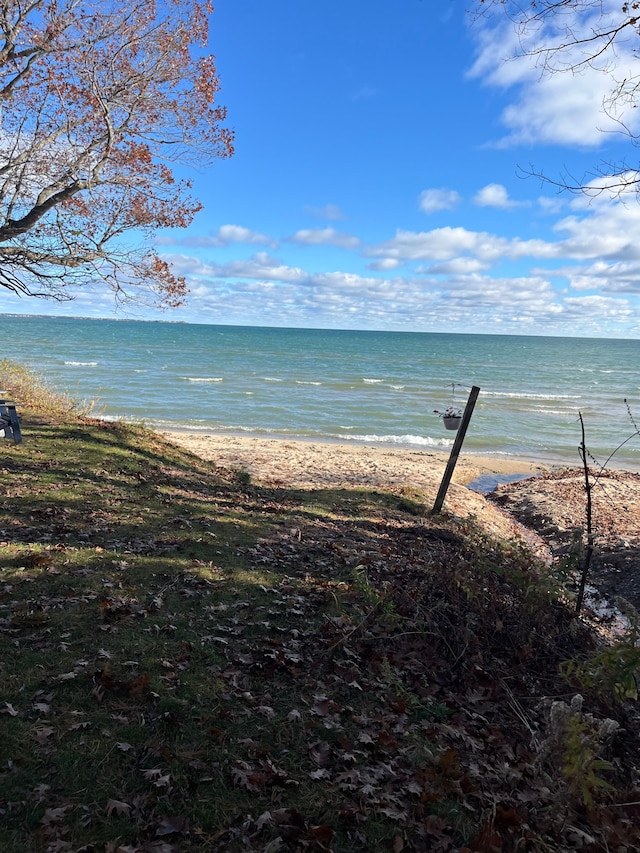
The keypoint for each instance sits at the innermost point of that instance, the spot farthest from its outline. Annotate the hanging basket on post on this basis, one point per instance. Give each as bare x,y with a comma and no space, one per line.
456,448
452,422
452,417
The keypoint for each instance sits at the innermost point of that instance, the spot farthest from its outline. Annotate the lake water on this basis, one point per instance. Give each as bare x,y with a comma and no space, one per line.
372,387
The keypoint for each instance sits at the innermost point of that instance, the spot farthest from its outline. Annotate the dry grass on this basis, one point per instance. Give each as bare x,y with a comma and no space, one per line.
31,392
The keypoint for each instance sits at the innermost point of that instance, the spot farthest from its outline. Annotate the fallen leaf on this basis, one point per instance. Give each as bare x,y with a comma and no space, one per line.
152,773
169,825
319,774
67,676
320,752
43,733
323,833
54,815
118,807
40,792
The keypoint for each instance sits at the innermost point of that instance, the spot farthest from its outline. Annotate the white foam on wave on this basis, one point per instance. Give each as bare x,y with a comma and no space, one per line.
202,378
568,413
372,381
81,363
413,440
271,379
306,382
524,396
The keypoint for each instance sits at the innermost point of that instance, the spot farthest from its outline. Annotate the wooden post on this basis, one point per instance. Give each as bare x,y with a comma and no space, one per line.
455,450
586,561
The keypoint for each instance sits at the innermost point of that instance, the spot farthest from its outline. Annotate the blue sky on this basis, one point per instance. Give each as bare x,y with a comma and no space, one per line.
379,181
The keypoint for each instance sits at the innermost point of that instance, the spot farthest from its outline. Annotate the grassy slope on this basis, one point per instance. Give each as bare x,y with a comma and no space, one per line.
189,661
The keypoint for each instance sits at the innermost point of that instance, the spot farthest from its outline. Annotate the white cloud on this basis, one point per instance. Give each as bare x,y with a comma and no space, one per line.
624,284
597,306
433,200
457,266
260,266
325,237
482,291
605,230
560,109
441,244
385,264
607,188
445,244
566,106
551,206
605,277
226,235
494,195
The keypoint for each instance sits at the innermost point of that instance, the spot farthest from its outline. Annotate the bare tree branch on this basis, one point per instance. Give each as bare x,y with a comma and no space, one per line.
569,36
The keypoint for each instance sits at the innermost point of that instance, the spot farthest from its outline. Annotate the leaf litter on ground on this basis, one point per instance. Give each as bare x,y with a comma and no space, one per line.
194,661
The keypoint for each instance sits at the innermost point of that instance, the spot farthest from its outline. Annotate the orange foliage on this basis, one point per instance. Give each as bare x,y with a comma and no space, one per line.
98,105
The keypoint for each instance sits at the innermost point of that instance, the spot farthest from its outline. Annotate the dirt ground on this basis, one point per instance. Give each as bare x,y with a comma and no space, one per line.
554,505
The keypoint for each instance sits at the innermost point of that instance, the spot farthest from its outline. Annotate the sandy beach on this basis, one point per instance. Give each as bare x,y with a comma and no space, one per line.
289,463
321,465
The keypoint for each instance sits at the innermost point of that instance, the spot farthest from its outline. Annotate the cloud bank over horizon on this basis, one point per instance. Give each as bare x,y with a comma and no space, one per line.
453,279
